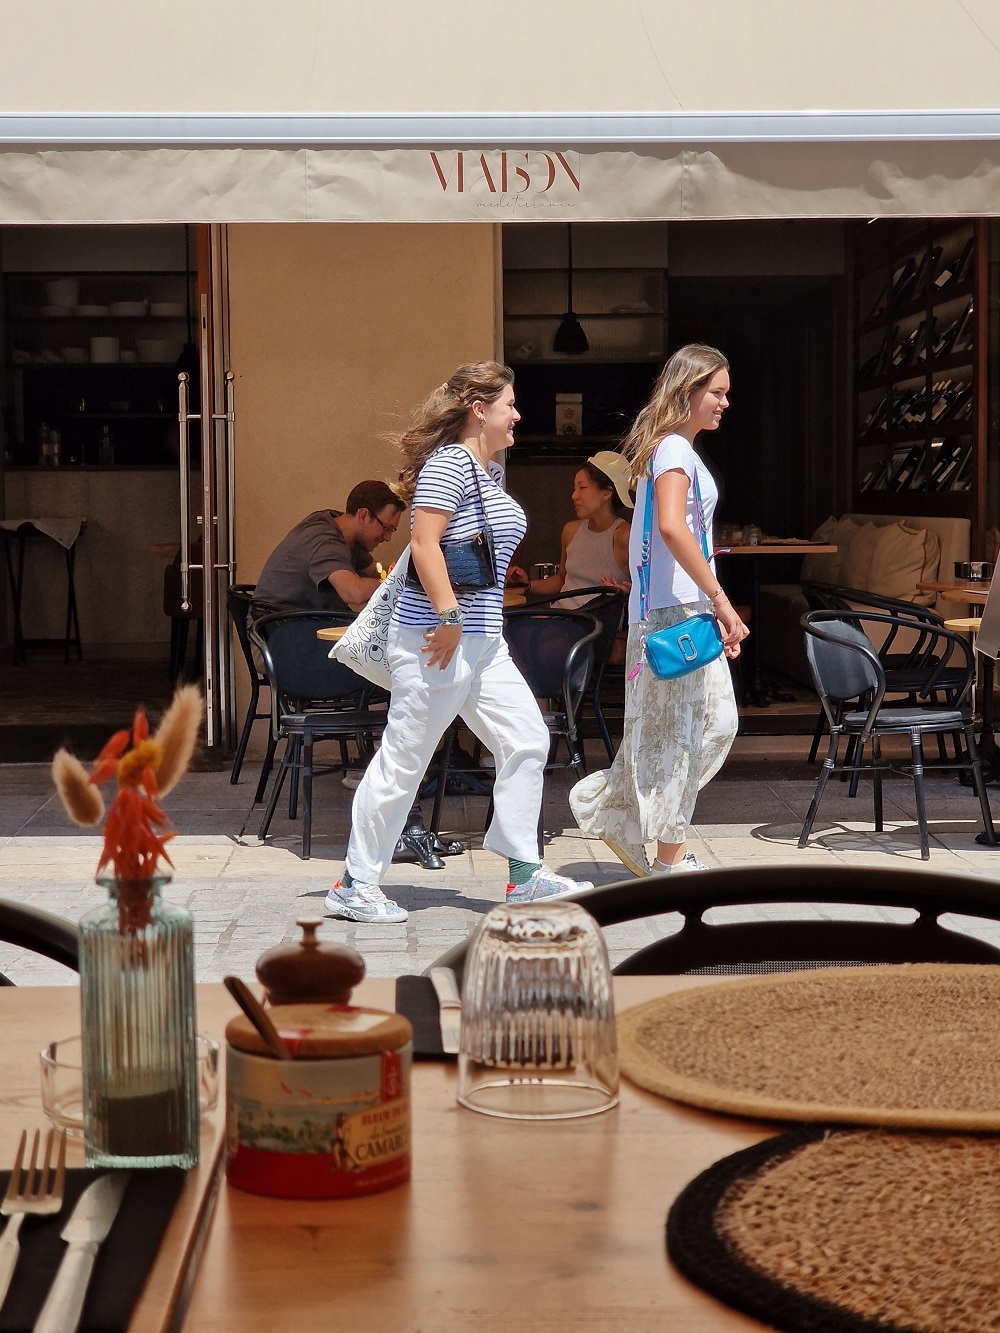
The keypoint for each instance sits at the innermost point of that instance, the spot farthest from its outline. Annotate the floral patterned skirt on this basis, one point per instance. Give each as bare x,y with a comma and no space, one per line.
676,738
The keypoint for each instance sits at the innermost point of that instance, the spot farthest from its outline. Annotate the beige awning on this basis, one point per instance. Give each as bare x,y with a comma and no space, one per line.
238,110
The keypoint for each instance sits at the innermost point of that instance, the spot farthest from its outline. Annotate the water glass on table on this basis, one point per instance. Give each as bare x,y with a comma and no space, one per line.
538,1037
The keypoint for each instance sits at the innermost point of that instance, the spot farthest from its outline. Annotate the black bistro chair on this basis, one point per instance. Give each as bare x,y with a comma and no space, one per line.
312,699
811,938
851,682
239,600
608,605
40,932
554,651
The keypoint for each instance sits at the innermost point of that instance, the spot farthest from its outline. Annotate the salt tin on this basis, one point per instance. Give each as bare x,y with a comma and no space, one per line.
332,1123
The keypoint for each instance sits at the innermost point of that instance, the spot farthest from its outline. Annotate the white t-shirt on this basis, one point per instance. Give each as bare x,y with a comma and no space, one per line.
669,584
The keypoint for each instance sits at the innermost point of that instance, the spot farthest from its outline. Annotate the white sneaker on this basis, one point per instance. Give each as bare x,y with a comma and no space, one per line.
363,902
544,883
352,778
632,858
689,862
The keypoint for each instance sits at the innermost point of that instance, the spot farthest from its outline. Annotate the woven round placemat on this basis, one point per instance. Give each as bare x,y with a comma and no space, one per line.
912,1045
851,1231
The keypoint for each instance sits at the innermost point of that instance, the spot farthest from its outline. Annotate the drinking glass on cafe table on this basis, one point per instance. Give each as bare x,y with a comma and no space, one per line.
538,1035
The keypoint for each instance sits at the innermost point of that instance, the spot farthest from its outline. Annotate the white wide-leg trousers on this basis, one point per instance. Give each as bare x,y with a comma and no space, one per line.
483,686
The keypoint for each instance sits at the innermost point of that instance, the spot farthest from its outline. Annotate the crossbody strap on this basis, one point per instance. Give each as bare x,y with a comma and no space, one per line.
647,537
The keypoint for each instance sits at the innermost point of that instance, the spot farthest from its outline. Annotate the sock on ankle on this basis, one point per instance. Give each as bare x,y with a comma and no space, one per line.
522,871
660,868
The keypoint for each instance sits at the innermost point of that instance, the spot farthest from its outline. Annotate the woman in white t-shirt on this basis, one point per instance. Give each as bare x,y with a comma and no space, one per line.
677,732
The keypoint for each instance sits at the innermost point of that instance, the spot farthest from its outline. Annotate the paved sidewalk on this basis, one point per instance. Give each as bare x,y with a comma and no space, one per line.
245,896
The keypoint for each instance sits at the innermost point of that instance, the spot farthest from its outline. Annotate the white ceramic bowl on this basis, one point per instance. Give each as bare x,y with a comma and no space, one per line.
155,349
91,310
167,309
129,308
104,351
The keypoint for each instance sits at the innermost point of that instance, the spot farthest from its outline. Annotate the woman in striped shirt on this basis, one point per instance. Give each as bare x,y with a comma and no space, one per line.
447,653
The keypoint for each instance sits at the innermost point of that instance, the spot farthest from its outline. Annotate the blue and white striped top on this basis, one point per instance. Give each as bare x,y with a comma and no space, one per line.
447,482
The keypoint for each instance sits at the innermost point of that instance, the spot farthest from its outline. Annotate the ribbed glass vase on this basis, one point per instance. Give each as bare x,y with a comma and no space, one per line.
140,1088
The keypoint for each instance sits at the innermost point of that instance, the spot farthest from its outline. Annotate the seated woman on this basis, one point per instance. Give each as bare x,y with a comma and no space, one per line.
595,544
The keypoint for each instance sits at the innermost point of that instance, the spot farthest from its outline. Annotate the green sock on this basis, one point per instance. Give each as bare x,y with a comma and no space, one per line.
522,871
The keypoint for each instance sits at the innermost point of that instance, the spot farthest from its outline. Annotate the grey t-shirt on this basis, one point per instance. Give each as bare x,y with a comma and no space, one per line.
297,570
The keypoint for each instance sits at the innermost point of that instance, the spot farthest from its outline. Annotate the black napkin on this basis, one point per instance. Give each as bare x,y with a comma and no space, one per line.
123,1261
417,1000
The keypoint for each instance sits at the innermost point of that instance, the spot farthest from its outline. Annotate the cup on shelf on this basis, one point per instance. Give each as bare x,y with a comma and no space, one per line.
538,1037
104,351
62,1080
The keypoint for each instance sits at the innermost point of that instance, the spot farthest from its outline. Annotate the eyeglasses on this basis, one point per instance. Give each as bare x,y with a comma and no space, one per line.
387,529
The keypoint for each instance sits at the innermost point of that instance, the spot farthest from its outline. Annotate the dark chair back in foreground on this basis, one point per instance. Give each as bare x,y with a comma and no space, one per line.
812,939
40,932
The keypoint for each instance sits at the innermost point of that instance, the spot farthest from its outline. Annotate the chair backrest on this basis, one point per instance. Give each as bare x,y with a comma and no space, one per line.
842,658
553,650
41,932
299,667
741,946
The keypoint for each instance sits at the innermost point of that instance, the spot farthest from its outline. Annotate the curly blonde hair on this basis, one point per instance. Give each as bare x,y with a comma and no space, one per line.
441,417
669,405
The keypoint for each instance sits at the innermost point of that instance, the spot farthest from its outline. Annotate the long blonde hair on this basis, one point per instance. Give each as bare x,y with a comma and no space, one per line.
669,405
441,417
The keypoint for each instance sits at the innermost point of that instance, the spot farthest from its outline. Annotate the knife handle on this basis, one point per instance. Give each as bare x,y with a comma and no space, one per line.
64,1303
10,1248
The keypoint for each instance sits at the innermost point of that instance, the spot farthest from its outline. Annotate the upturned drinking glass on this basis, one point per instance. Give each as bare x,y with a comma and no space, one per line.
140,1082
538,1037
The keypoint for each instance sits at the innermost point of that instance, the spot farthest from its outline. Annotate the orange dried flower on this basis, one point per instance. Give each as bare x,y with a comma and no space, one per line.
136,830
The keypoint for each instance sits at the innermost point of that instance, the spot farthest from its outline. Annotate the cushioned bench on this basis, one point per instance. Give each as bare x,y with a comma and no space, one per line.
879,553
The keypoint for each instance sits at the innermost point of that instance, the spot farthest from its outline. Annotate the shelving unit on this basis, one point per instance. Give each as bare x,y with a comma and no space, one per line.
623,313
89,351
919,386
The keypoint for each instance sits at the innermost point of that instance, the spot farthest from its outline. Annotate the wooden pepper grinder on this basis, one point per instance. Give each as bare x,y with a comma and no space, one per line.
310,970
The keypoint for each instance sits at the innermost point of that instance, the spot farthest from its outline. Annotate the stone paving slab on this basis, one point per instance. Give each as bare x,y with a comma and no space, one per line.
245,895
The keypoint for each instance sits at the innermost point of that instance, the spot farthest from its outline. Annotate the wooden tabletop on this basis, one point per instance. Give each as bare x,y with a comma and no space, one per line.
965,624
955,591
505,1225
791,546
332,633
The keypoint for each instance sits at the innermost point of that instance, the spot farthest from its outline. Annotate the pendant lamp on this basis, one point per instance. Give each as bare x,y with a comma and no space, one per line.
570,339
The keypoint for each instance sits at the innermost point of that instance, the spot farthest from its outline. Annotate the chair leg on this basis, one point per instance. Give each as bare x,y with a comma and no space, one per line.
602,727
447,741
877,777
917,761
824,776
859,754
307,789
265,769
272,803
293,786
989,834
251,717
817,737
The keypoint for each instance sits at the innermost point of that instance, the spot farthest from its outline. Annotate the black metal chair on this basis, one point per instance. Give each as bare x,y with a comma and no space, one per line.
554,651
907,672
312,699
41,932
609,606
239,600
851,682
811,940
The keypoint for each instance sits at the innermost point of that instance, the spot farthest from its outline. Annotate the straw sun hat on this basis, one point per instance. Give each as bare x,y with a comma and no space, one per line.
615,468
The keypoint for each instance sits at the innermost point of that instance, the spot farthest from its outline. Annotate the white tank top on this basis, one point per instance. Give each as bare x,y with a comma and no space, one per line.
589,556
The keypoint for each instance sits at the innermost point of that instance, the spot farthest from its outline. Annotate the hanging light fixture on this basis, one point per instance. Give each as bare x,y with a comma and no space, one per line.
570,339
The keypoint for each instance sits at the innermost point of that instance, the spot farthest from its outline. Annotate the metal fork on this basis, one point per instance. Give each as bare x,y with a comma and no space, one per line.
40,1195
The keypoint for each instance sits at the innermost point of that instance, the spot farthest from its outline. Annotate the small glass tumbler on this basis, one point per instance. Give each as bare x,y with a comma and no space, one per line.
538,1035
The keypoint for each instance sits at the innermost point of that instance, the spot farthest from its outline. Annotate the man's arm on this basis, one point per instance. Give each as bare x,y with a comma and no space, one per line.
352,588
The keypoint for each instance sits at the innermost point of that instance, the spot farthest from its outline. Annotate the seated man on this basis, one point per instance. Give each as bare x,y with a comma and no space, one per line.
325,563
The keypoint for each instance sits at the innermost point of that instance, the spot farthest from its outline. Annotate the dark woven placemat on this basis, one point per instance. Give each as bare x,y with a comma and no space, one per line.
912,1046
850,1231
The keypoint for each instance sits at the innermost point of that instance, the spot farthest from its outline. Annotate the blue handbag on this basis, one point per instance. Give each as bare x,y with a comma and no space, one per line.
679,649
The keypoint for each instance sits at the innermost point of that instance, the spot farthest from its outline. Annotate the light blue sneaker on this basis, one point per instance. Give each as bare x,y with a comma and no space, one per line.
544,883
